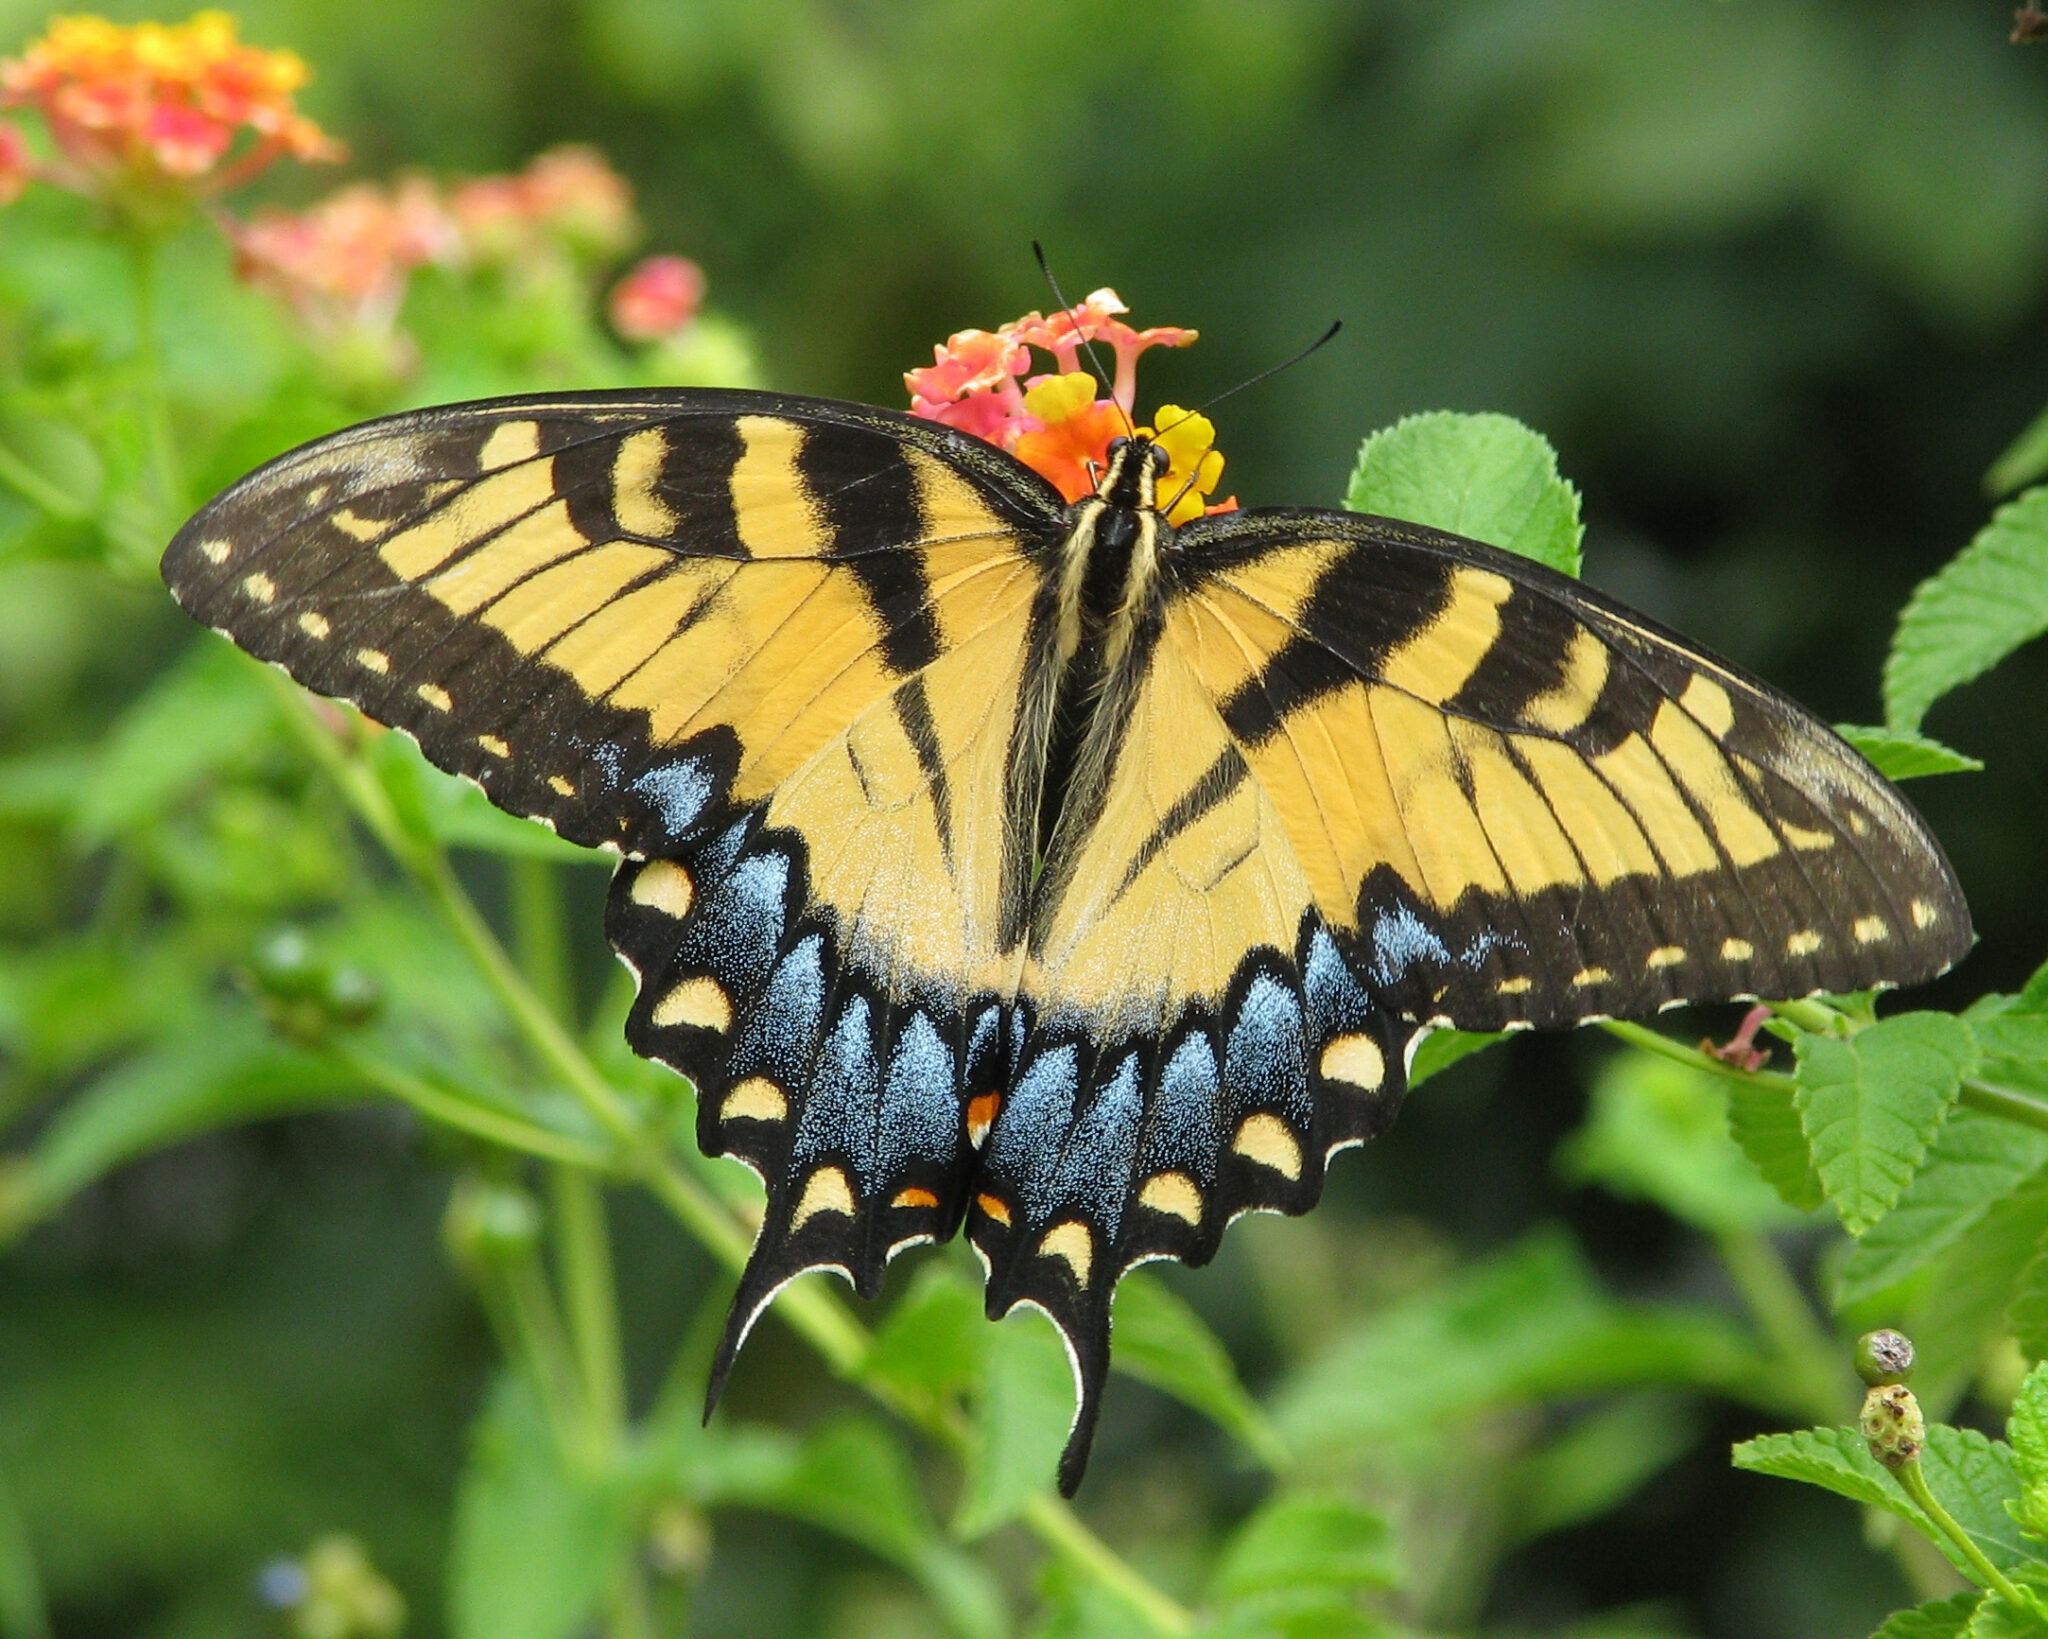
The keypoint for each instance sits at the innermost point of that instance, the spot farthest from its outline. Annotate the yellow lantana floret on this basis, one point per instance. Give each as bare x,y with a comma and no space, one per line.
1189,440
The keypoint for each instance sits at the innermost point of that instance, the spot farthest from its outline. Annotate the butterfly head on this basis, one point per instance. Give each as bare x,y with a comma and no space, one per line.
1131,477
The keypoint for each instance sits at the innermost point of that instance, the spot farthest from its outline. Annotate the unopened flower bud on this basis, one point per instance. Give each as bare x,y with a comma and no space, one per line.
489,1224
1884,1357
1892,1425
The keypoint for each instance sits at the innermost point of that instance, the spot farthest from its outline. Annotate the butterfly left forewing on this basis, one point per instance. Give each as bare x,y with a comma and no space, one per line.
769,648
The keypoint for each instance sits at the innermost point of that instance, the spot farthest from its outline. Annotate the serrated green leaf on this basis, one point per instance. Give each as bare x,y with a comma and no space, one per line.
2022,461
1658,1131
1937,1619
1022,1410
1871,1103
1974,1162
1975,1479
1441,1049
1163,1342
2026,1312
1764,1122
1487,477
1987,601
1997,1617
1299,1542
534,1544
1970,1476
1898,754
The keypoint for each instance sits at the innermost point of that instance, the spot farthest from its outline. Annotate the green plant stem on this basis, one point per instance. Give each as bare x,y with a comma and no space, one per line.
23,1611
812,1313
1806,1354
1650,1041
1995,1100
478,1120
1914,1483
583,1251
1816,1018
158,438
538,935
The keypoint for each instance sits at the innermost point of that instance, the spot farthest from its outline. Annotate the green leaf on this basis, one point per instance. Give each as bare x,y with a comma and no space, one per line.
534,1545
1872,1102
2023,460
1658,1132
1835,1459
1970,1476
1764,1122
932,1340
2027,1311
1937,1619
1899,754
222,1069
1524,1324
1487,477
1302,1542
1961,1311
1988,600
1163,1342
1022,1412
1976,1480
2026,1430
1997,1617
1975,1161
1440,1049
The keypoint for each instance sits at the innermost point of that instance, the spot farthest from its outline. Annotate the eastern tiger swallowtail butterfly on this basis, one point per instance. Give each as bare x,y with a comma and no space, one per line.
1046,867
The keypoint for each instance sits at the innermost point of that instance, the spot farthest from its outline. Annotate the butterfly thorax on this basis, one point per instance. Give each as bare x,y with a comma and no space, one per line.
1107,593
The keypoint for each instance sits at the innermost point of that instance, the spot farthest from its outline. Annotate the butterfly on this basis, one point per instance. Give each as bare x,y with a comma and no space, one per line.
1044,868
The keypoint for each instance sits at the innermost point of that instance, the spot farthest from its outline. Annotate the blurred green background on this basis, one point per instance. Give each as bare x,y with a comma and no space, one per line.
1771,277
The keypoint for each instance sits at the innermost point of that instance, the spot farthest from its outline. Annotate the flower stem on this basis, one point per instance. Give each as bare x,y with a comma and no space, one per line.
1914,1483
509,1132
158,439
1638,1035
21,477
1061,1529
1995,1100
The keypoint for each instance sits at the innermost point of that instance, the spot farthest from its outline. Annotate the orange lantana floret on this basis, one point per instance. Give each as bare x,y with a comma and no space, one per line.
1071,442
177,107
1094,319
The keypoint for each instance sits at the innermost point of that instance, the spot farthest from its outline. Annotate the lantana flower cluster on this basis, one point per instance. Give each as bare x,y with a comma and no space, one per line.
155,110
1054,422
152,118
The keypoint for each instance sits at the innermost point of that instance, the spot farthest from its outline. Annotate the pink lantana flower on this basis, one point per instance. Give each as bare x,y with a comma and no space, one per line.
1054,423
15,167
567,198
657,298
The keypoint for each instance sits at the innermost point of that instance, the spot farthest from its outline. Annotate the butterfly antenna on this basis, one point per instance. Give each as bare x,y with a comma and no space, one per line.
1326,337
1087,342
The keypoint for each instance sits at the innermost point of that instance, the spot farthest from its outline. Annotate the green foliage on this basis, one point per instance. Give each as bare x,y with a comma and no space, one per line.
1991,599
1484,476
1872,1102
1899,754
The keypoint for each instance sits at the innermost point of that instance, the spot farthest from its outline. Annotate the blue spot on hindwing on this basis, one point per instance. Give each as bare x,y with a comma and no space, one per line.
839,1116
740,928
1400,940
1095,1170
1026,1142
783,1029
920,1100
1265,1065
1185,1124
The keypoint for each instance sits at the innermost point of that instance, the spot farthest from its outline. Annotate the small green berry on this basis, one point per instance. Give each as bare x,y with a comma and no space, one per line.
1884,1357
287,968
1893,1425
353,997
489,1224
